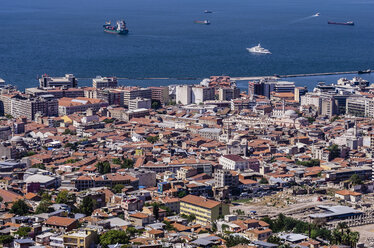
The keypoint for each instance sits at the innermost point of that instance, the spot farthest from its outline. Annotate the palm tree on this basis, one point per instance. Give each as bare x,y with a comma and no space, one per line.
354,238
336,236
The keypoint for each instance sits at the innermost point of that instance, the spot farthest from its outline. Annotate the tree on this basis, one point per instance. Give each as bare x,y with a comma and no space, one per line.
23,231
152,139
182,194
334,151
156,104
168,225
6,239
63,197
114,237
20,208
156,211
263,181
311,119
103,167
44,207
39,166
116,161
118,188
107,120
127,163
1,199
87,206
355,180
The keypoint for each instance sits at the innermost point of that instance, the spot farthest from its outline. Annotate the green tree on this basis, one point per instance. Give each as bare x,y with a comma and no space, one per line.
23,231
263,181
44,207
156,104
103,167
116,161
6,239
63,197
355,180
107,120
156,212
1,199
87,206
168,225
114,237
118,188
20,208
334,151
182,194
127,163
152,139
39,166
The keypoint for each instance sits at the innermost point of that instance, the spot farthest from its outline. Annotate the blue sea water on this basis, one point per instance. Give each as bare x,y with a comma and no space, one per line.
58,37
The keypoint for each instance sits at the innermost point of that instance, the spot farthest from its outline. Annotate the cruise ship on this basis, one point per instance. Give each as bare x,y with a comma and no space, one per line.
258,49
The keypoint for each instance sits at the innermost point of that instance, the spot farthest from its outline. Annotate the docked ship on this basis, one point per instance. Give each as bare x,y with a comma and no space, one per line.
119,28
364,71
206,22
350,23
258,49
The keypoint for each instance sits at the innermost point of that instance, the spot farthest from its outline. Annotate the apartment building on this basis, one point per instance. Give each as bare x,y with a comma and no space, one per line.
104,82
205,210
69,81
160,94
67,106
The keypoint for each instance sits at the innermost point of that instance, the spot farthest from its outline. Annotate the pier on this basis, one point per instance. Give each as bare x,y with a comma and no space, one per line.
252,78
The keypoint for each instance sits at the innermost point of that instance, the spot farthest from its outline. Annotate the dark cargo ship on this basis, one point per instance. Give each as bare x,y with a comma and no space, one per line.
350,23
119,28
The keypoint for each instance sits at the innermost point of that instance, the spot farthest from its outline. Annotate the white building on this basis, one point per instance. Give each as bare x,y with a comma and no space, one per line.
187,94
104,82
233,162
139,103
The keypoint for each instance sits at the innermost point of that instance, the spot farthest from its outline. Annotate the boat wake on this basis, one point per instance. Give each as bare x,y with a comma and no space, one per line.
305,18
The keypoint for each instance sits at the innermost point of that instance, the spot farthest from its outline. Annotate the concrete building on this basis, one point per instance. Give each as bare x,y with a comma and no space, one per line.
80,239
205,210
69,106
201,94
160,94
183,94
226,94
233,162
58,92
187,94
21,106
68,81
104,82
140,103
224,178
130,93
360,107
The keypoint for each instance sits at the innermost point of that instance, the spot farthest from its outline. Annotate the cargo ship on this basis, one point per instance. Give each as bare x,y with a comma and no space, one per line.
350,23
119,28
206,22
208,11
364,71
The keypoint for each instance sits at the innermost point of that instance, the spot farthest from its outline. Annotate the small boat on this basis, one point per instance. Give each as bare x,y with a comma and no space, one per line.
206,22
258,49
208,11
316,14
364,71
350,23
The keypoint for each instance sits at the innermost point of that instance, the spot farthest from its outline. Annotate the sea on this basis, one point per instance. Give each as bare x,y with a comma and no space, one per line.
58,37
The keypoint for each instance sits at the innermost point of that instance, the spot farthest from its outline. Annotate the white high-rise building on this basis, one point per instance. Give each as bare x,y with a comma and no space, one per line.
183,94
